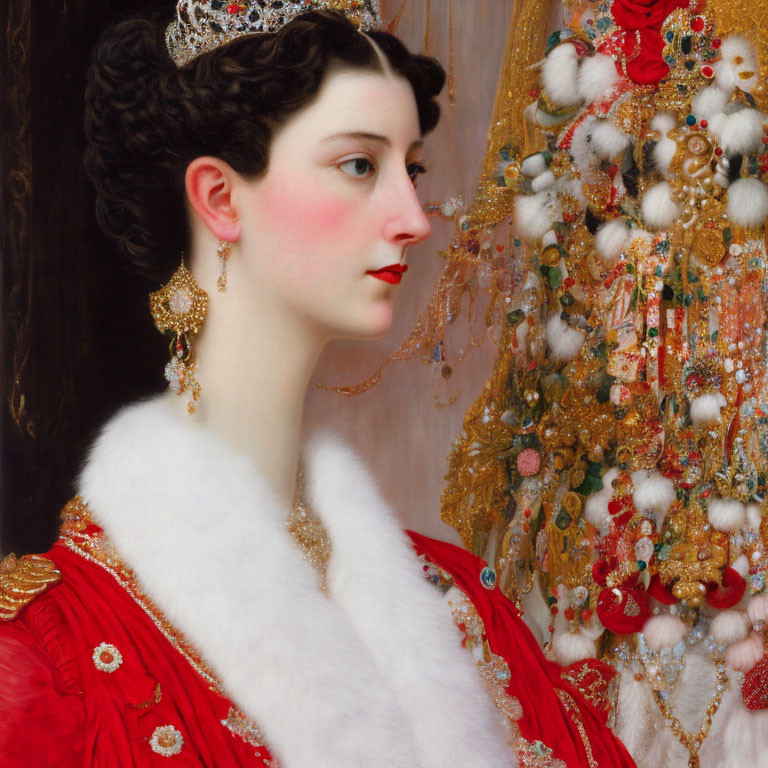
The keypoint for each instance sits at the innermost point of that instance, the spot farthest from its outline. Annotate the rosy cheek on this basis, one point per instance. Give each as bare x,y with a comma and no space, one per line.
306,215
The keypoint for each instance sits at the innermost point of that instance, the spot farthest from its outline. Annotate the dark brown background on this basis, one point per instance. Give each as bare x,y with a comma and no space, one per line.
76,339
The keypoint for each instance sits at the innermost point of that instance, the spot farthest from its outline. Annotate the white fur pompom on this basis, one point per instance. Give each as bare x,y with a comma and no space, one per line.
659,210
726,514
744,655
570,647
597,75
564,341
532,219
738,132
757,609
596,508
663,631
741,564
559,75
709,101
665,149
534,165
737,59
705,409
543,181
610,239
729,627
754,516
653,493
608,142
748,203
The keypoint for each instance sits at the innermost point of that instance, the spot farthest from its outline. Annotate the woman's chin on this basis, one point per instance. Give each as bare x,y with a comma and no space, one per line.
371,324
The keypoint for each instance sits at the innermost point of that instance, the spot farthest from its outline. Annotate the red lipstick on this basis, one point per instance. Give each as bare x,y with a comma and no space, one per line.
392,274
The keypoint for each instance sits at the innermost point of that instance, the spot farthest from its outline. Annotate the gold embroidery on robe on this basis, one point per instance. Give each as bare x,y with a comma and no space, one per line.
22,580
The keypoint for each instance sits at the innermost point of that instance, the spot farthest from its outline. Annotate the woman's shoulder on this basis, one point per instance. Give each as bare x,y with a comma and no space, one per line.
40,706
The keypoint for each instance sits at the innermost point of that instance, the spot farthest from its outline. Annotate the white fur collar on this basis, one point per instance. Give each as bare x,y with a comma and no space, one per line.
374,676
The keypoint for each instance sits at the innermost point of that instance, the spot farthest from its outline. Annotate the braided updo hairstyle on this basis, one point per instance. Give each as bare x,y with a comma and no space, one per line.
147,119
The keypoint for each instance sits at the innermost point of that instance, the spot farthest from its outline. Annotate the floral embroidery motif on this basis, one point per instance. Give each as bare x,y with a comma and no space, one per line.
596,682
166,741
107,658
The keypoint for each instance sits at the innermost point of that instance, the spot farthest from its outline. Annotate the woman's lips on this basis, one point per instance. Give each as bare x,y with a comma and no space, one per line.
392,274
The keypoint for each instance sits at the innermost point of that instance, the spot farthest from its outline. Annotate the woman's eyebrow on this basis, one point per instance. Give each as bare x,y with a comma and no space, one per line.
418,144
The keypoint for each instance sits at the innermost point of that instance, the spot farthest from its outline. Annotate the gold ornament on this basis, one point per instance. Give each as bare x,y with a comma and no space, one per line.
22,579
179,309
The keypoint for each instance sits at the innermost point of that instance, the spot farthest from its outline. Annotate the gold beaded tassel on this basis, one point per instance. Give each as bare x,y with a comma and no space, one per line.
224,250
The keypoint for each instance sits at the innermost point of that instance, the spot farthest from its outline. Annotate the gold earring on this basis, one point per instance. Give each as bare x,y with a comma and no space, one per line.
178,309
224,250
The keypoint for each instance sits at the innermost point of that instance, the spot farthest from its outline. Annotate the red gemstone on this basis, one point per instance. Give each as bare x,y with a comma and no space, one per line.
554,609
718,151
703,123
707,71
569,614
716,42
586,614
234,8
697,25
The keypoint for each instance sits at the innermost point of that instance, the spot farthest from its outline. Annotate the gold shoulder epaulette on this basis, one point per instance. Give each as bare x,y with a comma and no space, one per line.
22,579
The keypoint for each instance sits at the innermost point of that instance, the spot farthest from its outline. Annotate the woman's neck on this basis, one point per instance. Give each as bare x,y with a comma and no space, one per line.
254,366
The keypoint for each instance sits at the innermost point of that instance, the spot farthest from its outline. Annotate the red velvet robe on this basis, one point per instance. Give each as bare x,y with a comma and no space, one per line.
92,675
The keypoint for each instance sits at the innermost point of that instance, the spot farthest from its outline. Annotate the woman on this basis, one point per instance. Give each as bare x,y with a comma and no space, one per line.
197,606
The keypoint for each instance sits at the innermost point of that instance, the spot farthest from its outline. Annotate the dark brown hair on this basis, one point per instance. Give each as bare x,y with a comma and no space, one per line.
146,119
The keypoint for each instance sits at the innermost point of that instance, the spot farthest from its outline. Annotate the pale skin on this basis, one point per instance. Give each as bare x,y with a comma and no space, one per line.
304,235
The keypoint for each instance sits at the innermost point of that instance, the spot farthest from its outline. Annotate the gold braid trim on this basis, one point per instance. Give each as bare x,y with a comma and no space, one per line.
22,580
572,708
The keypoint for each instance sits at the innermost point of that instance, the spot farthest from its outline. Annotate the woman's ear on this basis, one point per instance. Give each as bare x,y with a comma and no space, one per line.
209,183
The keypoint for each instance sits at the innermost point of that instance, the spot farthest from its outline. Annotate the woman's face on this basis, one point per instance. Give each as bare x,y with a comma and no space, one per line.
338,201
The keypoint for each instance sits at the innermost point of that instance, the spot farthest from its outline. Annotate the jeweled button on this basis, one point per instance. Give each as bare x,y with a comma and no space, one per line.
488,577
166,741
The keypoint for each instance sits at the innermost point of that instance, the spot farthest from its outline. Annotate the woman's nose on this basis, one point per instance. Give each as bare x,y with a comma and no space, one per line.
408,223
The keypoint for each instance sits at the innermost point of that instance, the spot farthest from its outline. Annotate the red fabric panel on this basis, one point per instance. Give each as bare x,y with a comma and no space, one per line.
41,722
534,678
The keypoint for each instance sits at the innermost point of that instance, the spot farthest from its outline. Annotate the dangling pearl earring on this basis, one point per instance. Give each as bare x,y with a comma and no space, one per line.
224,250
179,307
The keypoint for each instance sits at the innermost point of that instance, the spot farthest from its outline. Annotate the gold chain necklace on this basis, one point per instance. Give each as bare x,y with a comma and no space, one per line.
693,742
309,533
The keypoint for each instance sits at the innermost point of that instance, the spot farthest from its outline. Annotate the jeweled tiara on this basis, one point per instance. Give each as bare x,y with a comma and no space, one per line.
202,25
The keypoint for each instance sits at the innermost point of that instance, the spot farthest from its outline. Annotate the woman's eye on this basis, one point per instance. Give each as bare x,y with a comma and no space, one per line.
357,167
414,169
